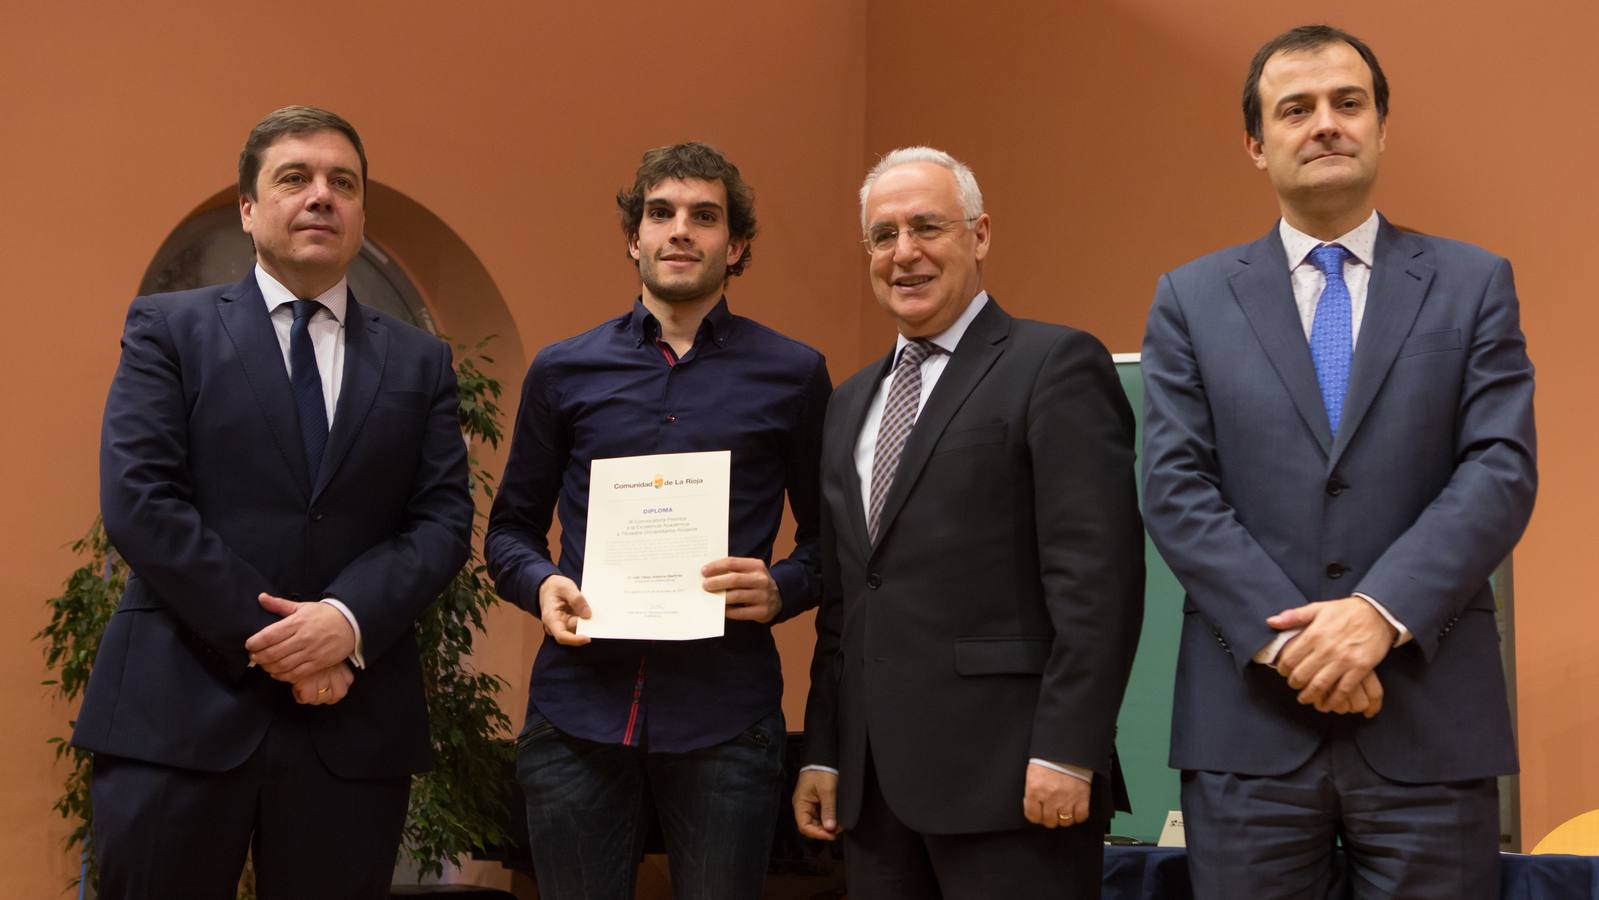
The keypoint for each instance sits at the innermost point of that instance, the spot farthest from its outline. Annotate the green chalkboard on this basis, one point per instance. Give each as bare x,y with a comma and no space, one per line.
1143,730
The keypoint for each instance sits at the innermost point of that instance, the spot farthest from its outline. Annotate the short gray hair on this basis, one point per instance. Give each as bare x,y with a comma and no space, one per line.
965,182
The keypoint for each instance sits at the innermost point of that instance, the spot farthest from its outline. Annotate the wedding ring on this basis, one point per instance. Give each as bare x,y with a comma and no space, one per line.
1065,818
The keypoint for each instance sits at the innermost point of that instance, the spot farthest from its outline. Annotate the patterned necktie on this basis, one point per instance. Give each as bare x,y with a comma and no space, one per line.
1331,339
899,414
307,384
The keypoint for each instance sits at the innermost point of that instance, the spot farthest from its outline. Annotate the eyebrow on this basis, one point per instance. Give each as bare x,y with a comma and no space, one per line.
912,219
662,201
305,166
1348,90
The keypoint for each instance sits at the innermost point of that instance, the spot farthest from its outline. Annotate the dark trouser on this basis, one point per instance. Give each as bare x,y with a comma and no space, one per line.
1272,838
586,801
885,860
162,833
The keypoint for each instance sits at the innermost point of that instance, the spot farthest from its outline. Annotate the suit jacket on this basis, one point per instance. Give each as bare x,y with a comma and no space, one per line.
995,618
1257,507
205,492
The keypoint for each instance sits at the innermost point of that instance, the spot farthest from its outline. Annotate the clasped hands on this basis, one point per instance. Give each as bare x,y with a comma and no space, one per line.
1332,661
752,596
306,647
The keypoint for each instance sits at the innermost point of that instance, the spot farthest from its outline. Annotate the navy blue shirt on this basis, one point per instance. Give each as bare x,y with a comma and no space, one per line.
615,391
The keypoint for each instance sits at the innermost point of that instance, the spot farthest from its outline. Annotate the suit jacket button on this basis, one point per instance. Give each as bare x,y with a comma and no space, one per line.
1335,487
1336,570
874,581
317,516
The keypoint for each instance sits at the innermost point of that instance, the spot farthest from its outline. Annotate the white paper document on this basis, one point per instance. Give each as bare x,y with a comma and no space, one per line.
653,522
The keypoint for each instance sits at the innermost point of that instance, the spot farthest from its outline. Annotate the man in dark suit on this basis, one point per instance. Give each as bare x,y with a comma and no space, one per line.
283,471
1338,452
982,575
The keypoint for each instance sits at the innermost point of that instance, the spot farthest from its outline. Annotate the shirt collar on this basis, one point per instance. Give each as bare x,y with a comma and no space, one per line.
948,339
1360,241
642,324
335,298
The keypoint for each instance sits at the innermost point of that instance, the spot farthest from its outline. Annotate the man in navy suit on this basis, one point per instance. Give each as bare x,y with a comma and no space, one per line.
284,473
1339,450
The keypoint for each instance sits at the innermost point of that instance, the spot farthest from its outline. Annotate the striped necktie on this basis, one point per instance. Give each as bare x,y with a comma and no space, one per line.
899,415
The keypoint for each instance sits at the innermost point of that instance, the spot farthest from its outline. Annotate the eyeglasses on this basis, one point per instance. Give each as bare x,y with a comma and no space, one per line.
882,239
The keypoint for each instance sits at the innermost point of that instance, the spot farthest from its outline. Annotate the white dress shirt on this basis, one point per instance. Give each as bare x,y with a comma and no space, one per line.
866,444
1308,281
326,329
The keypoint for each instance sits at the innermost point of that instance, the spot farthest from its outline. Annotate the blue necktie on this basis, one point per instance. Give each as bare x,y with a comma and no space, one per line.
307,384
1331,339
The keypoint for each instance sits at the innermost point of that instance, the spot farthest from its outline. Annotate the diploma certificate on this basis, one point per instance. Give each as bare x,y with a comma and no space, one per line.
653,522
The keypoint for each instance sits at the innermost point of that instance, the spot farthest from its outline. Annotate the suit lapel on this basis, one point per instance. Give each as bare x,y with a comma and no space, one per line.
1262,288
980,346
248,325
366,344
1400,276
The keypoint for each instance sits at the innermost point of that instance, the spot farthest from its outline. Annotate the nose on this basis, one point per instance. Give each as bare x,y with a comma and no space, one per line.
680,230
1325,123
320,195
906,247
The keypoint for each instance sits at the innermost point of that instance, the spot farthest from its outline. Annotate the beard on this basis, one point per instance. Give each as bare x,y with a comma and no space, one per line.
689,286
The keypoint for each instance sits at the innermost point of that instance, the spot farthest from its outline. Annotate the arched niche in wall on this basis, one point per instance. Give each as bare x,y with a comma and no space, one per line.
412,266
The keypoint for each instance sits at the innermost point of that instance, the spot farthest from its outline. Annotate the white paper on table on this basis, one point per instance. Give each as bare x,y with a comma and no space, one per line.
654,521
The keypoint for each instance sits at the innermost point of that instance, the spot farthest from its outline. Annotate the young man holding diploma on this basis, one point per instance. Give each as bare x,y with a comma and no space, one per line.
696,724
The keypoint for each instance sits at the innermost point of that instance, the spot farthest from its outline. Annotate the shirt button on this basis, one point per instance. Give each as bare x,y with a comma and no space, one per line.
1336,570
874,581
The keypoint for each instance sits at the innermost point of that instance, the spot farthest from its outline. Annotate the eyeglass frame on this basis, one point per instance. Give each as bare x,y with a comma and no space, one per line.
891,239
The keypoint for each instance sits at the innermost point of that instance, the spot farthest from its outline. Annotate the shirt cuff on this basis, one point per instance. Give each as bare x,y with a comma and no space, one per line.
828,769
1403,635
1268,654
355,655
1074,771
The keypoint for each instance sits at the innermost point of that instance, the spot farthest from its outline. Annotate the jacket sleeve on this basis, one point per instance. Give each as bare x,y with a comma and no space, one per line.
1090,548
147,497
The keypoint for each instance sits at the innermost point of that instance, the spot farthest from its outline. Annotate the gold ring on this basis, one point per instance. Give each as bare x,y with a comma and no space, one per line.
1065,818
321,691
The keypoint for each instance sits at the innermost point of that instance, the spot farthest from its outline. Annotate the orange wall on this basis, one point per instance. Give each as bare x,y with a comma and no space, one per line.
1106,137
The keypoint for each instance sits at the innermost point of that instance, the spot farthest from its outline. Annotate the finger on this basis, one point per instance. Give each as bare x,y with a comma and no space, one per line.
733,581
1298,617
276,605
829,795
1349,693
560,626
1316,690
579,605
304,693
276,633
1374,694
731,564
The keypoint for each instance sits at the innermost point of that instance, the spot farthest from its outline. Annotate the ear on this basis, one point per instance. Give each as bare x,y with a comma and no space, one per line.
1382,135
980,231
735,249
246,212
1256,149
632,246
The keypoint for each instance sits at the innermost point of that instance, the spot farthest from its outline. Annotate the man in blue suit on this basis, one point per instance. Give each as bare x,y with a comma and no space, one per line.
1339,450
284,473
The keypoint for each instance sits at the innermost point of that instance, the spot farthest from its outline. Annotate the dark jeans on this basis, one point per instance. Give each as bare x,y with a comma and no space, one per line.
586,806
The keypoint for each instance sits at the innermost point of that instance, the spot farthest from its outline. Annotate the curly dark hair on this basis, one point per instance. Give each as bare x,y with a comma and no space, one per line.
691,159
